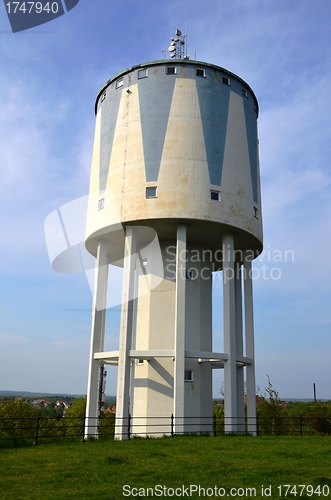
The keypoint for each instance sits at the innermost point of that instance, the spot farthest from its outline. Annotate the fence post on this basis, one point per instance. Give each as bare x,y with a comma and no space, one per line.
129,426
172,425
300,425
257,425
83,429
214,425
35,442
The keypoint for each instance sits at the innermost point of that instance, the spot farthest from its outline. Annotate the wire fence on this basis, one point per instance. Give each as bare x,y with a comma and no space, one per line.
23,431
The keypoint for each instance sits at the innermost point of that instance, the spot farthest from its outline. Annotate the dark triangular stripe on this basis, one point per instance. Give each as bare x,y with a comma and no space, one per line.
251,131
155,97
109,112
214,97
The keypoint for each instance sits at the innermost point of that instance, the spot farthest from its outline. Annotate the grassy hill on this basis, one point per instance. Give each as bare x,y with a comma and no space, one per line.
237,466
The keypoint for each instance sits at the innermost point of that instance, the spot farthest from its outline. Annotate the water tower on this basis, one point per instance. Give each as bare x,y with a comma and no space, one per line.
174,197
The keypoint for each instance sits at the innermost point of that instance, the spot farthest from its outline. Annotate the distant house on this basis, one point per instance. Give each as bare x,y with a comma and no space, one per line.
258,399
61,403
110,410
284,404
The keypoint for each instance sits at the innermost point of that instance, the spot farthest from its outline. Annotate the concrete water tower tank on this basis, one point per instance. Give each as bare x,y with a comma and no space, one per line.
175,196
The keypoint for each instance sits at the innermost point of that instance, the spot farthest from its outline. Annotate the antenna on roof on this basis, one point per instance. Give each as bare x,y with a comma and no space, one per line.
177,46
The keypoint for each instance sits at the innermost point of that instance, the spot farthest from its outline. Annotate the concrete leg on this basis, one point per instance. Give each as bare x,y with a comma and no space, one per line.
180,330
134,324
239,349
229,319
97,339
123,377
249,334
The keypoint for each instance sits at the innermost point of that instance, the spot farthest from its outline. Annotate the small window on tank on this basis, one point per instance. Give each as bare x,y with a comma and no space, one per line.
101,204
140,361
142,73
245,94
119,83
151,192
215,195
171,70
103,97
200,72
225,80
188,375
256,213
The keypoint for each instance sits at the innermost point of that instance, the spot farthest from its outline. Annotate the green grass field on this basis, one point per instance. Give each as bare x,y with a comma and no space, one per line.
101,469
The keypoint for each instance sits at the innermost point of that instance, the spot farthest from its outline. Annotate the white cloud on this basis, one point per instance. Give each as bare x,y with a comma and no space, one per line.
12,339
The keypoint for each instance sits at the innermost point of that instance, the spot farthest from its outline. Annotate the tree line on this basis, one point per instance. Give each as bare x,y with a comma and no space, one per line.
20,421
275,417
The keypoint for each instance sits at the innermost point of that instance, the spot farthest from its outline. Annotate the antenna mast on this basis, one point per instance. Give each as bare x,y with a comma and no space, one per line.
177,46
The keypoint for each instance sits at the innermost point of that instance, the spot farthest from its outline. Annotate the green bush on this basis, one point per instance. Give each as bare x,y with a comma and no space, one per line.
17,418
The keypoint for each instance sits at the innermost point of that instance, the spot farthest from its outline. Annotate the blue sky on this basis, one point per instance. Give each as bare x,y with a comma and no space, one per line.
49,78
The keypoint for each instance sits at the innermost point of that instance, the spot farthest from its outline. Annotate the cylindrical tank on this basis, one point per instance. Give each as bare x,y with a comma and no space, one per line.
176,141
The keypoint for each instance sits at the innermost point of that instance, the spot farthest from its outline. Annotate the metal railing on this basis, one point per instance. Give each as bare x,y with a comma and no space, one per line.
36,429
40,427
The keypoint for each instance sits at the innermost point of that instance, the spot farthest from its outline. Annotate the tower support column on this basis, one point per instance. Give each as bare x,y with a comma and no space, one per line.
179,379
97,339
239,348
126,327
229,321
249,334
